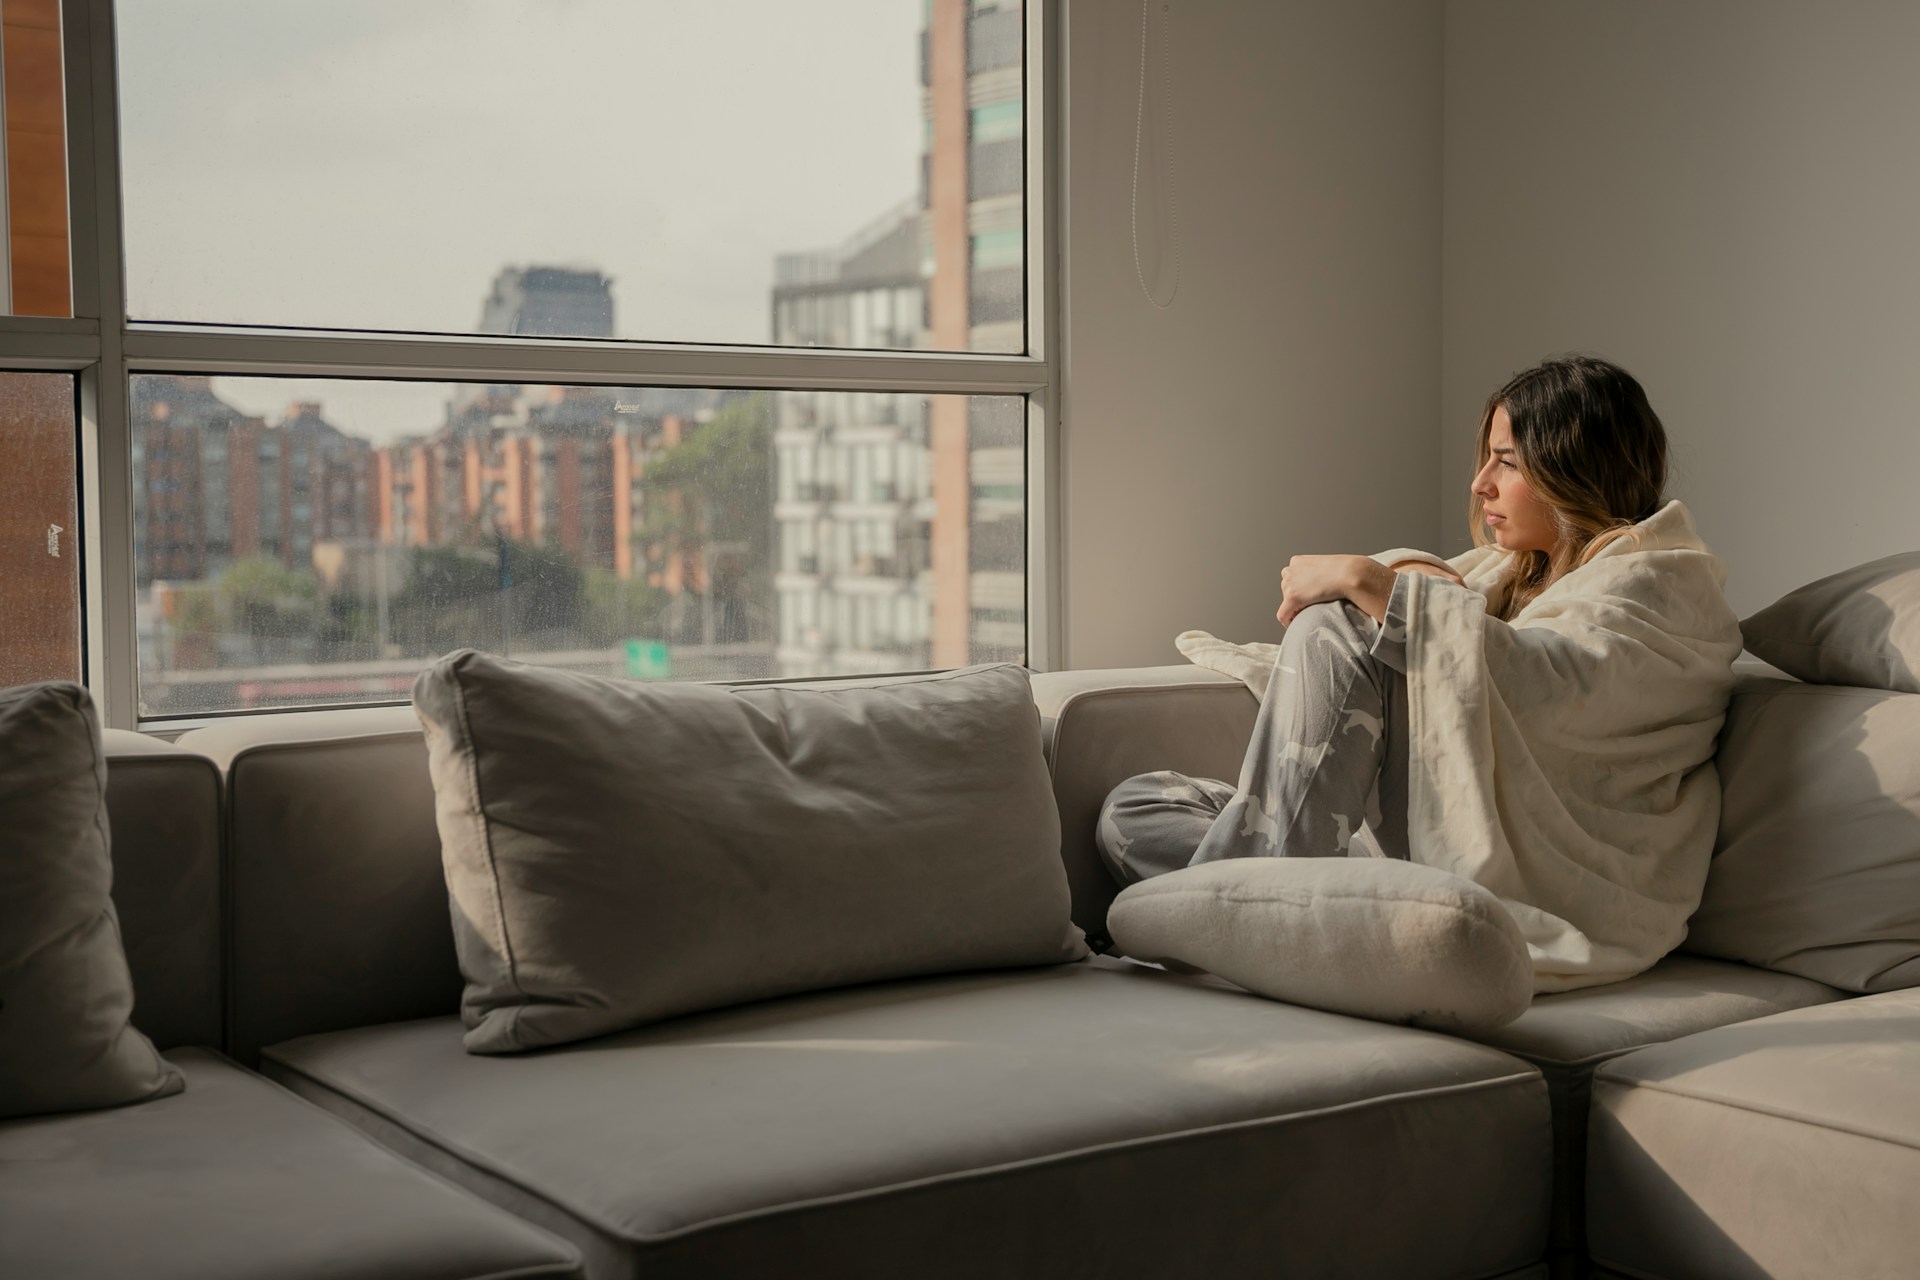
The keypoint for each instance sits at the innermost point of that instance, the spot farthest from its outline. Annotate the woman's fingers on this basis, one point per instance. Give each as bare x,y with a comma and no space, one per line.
1290,607
1311,579
1302,582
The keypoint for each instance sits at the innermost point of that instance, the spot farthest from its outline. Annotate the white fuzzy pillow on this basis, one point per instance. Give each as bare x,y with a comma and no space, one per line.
1375,938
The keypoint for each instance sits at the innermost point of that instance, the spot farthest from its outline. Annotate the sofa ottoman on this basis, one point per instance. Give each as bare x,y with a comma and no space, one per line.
1572,1034
1785,1147
233,1177
1094,1118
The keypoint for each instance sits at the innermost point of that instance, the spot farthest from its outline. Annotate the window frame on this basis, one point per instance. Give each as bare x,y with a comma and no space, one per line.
104,350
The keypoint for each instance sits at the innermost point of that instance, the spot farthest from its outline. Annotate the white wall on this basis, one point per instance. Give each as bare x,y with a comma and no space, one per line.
1724,197
1286,402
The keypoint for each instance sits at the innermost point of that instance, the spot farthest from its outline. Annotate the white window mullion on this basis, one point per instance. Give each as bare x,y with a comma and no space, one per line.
93,184
240,352
47,343
1046,407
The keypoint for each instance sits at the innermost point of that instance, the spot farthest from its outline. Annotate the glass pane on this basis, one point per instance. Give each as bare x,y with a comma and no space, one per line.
35,268
304,542
39,530
843,173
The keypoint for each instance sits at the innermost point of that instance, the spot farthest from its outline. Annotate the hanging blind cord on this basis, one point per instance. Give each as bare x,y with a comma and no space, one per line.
1139,119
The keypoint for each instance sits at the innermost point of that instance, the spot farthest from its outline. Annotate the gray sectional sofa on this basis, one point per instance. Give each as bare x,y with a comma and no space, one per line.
283,904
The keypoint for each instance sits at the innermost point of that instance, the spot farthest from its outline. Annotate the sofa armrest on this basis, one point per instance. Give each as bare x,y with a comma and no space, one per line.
1102,727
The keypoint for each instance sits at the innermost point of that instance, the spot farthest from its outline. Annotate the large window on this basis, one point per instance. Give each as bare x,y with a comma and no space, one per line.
652,339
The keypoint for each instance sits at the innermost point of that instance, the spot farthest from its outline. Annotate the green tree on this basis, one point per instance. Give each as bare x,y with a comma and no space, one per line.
725,471
266,600
711,497
452,598
348,629
619,609
193,621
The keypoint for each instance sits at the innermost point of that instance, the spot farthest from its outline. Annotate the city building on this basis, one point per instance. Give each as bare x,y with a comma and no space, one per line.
555,302
565,474
901,519
214,485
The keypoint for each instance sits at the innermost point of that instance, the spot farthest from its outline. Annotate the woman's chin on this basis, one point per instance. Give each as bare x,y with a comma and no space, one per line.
1506,540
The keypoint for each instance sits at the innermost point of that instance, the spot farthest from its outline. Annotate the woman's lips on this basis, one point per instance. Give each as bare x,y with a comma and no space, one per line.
1494,519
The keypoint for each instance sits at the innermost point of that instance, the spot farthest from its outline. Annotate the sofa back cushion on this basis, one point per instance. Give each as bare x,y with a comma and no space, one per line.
1816,870
617,853
163,807
338,905
66,1042
1860,626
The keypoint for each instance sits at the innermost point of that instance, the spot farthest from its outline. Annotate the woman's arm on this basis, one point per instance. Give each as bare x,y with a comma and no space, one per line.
1431,570
1362,579
1461,565
1312,580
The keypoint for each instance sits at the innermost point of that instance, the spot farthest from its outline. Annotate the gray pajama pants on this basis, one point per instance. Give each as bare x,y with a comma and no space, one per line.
1329,751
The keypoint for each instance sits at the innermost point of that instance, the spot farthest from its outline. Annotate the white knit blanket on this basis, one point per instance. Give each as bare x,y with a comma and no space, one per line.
1565,761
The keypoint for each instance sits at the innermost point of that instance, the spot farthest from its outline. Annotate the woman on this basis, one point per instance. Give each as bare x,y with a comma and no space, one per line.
1537,714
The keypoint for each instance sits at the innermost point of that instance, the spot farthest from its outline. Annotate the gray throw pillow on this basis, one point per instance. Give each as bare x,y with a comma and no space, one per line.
1816,870
65,997
1860,627
618,853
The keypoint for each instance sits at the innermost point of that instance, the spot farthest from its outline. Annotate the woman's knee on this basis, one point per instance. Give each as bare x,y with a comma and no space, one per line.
1166,789
1144,789
1339,624
1151,823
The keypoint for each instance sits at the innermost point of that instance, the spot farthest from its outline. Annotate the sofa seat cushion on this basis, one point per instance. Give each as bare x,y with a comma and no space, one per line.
1679,996
232,1177
1785,1147
1570,1034
1078,1119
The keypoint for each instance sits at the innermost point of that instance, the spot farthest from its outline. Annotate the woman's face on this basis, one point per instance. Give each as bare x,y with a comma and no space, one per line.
1515,518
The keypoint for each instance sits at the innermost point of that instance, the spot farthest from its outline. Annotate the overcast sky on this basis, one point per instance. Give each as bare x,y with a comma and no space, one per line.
368,163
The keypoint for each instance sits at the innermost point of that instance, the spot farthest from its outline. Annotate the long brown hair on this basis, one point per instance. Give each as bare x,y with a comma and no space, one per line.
1590,447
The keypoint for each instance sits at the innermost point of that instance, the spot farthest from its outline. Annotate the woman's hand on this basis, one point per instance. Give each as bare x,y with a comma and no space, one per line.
1311,579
